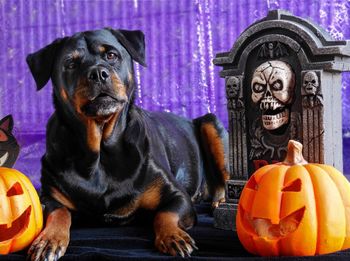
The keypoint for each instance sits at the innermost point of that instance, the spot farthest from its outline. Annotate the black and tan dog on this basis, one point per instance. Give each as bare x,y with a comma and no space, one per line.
107,159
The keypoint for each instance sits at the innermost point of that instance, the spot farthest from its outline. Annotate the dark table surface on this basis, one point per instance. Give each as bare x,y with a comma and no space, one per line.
136,243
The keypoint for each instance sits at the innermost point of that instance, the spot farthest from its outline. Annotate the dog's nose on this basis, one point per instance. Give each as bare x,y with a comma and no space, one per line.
98,74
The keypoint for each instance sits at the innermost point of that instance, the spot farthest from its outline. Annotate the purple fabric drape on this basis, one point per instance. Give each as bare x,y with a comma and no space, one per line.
182,37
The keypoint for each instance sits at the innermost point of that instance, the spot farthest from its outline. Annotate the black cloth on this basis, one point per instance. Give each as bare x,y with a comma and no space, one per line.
136,243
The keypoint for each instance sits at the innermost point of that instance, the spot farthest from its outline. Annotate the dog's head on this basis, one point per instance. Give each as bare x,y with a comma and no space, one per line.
92,71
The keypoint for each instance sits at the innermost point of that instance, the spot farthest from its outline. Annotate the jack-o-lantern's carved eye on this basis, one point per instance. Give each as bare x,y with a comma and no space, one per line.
15,190
294,186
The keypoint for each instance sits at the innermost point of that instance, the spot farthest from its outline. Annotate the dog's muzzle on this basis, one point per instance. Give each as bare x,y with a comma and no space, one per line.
103,105
105,100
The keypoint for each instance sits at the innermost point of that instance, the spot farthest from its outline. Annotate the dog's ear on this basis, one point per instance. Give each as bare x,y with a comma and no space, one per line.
41,62
133,42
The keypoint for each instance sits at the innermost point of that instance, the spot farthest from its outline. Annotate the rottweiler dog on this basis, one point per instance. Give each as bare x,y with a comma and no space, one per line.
108,160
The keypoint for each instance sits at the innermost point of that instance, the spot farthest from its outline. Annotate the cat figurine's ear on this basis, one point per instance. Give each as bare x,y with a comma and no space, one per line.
9,148
7,123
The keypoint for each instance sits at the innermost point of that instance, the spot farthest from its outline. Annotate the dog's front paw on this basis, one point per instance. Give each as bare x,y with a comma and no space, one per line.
175,242
48,246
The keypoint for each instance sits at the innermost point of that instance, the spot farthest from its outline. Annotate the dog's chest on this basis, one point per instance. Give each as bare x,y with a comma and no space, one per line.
101,192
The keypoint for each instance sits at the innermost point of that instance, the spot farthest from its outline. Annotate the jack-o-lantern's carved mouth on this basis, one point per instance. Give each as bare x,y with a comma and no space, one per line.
17,226
263,227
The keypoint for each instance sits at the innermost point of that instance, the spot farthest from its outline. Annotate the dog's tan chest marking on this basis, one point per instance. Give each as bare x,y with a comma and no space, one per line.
109,126
93,135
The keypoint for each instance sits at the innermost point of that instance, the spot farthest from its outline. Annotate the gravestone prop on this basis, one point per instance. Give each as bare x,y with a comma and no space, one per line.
283,81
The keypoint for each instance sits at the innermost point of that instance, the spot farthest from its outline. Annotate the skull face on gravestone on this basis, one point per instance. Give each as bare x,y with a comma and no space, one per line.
310,83
232,87
273,84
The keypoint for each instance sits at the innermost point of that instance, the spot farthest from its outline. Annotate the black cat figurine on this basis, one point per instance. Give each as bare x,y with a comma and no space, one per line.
9,148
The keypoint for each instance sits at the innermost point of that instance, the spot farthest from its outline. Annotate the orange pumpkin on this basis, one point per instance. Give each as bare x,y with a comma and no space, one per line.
21,217
294,208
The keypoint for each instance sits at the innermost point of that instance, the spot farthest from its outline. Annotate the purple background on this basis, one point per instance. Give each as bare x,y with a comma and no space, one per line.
182,37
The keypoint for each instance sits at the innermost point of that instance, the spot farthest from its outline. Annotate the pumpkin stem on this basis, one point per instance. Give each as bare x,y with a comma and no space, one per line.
294,154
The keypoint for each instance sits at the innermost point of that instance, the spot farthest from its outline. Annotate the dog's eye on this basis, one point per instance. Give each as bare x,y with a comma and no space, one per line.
111,56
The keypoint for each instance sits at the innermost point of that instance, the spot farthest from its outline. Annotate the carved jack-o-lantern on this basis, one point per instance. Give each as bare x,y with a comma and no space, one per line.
21,217
295,208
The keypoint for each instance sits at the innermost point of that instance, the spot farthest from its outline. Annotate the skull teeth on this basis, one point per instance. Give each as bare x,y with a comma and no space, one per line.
272,122
270,105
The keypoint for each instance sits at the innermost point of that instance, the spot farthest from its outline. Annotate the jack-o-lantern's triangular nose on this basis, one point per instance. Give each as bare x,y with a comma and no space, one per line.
16,189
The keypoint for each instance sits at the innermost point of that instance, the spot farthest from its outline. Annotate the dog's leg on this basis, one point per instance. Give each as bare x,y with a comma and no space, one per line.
52,242
170,224
214,143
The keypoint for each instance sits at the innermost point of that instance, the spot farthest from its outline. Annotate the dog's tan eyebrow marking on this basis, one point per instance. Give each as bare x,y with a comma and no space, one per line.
101,48
74,55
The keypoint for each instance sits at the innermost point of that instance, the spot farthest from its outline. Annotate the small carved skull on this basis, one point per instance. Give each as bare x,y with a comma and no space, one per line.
273,85
310,83
232,87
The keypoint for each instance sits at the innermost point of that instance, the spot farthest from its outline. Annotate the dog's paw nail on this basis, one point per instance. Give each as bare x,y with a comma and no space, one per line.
180,249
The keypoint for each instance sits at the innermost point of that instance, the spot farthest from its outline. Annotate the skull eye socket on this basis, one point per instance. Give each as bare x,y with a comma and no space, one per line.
15,190
277,85
258,87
